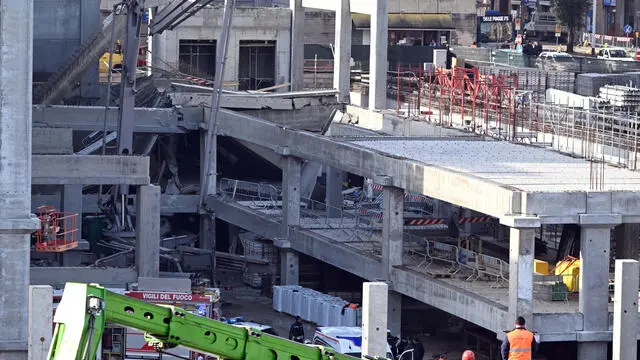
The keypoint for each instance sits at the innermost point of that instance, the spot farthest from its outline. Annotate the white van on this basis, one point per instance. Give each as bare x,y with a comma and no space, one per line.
343,339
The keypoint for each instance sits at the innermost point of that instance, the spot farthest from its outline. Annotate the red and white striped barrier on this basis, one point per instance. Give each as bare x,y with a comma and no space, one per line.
426,222
474,219
461,220
198,80
364,211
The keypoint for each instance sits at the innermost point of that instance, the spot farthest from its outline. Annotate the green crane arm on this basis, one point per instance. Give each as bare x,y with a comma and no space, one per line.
85,309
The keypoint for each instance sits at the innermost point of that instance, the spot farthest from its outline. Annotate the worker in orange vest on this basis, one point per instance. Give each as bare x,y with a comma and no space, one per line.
519,343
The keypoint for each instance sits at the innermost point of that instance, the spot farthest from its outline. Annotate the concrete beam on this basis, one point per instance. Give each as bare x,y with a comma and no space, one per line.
58,276
89,169
91,118
431,180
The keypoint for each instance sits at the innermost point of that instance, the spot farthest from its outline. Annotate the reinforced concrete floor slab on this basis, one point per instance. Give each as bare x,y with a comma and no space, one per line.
527,168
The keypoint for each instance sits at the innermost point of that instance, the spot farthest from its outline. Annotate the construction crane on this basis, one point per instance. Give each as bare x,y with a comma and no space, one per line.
84,310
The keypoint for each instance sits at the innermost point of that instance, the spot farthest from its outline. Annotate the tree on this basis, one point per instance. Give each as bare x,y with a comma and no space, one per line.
571,14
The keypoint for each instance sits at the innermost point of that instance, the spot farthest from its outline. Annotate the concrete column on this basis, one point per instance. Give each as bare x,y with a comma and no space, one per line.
342,52
40,321
627,237
233,238
16,221
207,231
378,56
289,267
290,193
89,25
521,253
594,287
374,319
392,229
625,309
72,203
148,231
297,45
334,197
394,313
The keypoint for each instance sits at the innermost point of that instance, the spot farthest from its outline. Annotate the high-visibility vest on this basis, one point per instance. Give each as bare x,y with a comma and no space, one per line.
520,341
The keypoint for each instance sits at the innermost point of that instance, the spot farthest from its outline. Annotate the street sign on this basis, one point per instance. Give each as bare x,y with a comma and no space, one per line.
517,23
558,30
627,29
519,39
637,34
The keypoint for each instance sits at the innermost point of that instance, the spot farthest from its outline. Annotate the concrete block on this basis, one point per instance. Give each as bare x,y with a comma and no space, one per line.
625,309
384,180
599,202
164,284
58,276
520,222
89,169
40,321
374,319
607,220
52,141
148,231
593,336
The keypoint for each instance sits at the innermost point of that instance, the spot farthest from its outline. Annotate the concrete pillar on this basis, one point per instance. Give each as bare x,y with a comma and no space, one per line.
521,253
309,178
374,319
72,203
233,238
594,286
297,45
16,222
289,267
342,52
148,231
291,171
207,231
627,237
625,309
40,321
333,197
89,25
394,313
378,56
392,229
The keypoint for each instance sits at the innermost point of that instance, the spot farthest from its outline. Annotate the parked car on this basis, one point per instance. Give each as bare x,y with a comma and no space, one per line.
615,53
551,60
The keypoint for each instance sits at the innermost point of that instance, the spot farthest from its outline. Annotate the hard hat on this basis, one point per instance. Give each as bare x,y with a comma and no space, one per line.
468,355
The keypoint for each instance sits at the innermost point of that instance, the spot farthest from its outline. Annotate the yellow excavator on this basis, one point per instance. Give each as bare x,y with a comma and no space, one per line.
116,63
